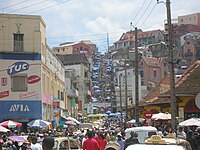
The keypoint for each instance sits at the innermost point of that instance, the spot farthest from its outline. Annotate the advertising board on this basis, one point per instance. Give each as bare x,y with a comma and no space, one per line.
20,109
20,80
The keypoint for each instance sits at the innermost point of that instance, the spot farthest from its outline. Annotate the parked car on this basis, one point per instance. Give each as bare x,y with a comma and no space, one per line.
156,142
66,143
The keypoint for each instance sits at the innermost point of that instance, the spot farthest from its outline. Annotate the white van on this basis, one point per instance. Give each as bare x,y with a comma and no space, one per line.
143,132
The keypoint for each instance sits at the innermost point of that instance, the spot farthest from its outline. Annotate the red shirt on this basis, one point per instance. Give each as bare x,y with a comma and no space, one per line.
90,144
102,144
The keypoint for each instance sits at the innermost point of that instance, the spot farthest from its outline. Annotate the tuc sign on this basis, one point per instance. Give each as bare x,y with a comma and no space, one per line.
17,67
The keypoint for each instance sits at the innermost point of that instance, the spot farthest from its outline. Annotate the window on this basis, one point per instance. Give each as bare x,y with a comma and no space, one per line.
19,83
188,43
18,42
165,73
58,94
142,73
62,96
154,73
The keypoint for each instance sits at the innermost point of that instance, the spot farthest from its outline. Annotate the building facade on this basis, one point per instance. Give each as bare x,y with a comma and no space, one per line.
31,75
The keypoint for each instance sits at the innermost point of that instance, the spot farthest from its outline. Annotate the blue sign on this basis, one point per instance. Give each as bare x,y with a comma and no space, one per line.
17,67
20,110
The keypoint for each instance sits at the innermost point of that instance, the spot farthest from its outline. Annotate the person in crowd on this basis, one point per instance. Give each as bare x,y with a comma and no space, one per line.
107,136
197,135
9,145
102,141
90,143
120,141
112,137
180,133
132,140
84,138
192,140
123,134
48,143
35,145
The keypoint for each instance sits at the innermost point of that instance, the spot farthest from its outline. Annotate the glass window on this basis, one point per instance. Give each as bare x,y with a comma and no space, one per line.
19,83
142,73
18,42
154,73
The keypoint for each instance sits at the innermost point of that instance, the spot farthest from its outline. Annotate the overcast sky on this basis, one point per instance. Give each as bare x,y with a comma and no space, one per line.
75,20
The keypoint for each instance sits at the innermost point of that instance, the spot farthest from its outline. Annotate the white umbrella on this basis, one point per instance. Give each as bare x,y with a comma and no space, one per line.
2,129
191,122
73,119
161,116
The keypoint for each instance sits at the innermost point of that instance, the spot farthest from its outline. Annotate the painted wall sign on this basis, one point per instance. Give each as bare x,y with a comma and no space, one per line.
4,81
20,109
33,79
17,67
28,95
4,94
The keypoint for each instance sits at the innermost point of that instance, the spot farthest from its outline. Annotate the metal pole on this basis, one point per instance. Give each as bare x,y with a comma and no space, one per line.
126,102
136,79
171,68
120,94
120,98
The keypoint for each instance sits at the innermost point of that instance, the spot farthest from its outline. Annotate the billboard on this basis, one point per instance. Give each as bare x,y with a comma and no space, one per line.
28,75
20,109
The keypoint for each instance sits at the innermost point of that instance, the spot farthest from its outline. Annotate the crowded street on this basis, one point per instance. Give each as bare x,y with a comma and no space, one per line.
99,75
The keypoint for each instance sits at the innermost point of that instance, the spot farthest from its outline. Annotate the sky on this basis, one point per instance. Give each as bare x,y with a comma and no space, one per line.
101,21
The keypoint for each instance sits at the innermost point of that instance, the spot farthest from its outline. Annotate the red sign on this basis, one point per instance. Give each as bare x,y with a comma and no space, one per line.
3,81
33,79
148,114
4,94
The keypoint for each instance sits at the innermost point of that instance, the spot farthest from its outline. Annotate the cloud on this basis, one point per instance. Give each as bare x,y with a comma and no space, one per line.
71,20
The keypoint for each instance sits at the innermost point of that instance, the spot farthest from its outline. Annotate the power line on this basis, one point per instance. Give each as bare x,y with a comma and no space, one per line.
39,10
139,10
13,5
28,6
49,7
148,15
143,13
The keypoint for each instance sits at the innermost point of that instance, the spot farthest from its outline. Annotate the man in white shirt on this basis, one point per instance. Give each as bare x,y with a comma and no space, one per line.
181,133
34,144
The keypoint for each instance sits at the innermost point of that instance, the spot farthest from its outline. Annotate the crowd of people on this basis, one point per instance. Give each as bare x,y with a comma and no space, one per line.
107,138
33,142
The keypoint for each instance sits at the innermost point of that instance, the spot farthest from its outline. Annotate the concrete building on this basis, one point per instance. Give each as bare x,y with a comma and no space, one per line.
81,67
189,19
32,78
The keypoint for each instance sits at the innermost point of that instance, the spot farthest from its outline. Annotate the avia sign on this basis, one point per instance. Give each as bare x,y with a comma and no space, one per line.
19,107
17,67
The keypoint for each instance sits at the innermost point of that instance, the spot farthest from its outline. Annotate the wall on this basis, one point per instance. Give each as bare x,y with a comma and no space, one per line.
33,28
21,105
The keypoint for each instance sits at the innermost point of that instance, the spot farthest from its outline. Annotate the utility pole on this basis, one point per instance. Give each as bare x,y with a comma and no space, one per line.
171,68
136,79
126,102
120,97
